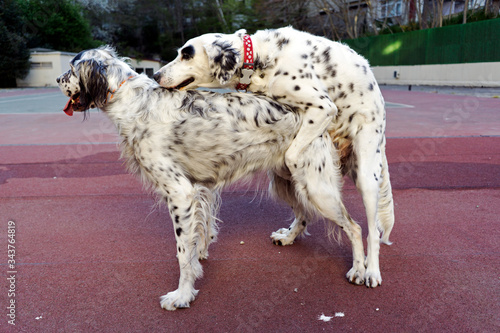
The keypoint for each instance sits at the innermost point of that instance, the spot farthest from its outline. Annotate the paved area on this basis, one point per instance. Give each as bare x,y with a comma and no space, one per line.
93,253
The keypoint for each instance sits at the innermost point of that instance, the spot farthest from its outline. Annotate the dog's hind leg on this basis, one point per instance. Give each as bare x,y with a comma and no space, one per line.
190,210
318,184
283,189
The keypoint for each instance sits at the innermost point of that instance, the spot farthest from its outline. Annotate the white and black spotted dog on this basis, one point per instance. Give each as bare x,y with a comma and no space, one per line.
325,79
187,145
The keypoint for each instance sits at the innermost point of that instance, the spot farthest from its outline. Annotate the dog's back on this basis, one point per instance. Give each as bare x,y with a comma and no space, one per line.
216,138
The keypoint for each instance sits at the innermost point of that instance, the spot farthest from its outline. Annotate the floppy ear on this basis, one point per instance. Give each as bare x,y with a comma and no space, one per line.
93,84
223,59
240,33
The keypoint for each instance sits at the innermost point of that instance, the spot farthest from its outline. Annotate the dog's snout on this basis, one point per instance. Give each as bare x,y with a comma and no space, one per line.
157,76
58,79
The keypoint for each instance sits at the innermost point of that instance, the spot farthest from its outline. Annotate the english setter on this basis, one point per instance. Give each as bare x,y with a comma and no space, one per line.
187,145
325,79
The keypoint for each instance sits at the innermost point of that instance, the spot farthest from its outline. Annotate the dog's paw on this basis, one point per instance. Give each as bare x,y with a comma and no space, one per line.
282,237
175,299
356,276
373,279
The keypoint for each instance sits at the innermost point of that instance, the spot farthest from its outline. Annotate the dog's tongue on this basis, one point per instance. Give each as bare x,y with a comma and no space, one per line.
68,109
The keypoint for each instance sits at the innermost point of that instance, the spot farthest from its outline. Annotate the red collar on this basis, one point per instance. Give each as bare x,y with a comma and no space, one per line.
247,69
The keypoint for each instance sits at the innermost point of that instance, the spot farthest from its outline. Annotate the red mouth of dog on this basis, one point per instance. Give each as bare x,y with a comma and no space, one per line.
73,105
185,83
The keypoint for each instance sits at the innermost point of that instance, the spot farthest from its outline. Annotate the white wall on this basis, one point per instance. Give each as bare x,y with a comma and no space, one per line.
463,75
46,76
59,63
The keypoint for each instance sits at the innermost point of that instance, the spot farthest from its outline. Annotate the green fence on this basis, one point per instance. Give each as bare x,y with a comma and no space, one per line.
472,42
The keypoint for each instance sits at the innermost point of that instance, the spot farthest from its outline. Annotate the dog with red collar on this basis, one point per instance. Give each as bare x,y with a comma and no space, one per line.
334,87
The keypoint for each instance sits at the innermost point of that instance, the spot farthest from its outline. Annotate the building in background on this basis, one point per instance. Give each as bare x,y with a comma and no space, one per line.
47,65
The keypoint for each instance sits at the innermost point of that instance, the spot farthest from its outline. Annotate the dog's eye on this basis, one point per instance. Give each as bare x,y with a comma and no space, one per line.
187,52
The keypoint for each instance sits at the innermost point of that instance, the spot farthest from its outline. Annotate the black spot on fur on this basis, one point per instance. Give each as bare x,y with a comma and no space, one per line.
187,52
178,231
296,88
326,54
256,119
351,117
77,57
370,87
282,42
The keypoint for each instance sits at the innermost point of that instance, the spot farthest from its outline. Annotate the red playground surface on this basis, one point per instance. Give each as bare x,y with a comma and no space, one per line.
94,254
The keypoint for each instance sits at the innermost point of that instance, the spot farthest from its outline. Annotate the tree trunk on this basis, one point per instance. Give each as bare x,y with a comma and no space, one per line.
221,16
466,6
426,13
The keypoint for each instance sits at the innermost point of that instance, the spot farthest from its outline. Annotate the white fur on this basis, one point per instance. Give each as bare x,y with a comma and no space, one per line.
187,145
325,79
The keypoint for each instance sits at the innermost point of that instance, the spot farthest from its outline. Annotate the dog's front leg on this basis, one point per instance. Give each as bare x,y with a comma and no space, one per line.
181,203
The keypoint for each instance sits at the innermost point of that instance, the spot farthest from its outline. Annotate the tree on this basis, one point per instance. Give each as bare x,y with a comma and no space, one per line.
346,19
14,53
56,24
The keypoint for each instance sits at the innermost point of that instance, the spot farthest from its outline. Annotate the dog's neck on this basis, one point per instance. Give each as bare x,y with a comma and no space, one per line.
261,57
247,70
111,93
131,96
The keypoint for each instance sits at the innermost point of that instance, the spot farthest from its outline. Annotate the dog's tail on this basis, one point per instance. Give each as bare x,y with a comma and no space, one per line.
385,212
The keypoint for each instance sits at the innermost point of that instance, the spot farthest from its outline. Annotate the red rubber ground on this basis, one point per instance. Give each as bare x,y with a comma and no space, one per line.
93,253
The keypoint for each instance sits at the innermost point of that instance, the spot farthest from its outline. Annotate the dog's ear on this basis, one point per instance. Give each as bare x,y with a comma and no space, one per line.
223,60
93,83
240,33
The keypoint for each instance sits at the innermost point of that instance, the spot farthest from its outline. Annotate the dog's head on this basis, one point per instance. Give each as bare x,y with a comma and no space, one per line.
209,61
86,83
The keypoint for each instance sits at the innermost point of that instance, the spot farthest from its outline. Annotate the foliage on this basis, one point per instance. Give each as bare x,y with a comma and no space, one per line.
472,16
56,24
14,53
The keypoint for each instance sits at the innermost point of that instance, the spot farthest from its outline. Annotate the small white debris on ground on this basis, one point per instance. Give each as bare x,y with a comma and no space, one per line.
38,318
324,318
296,289
242,243
328,318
